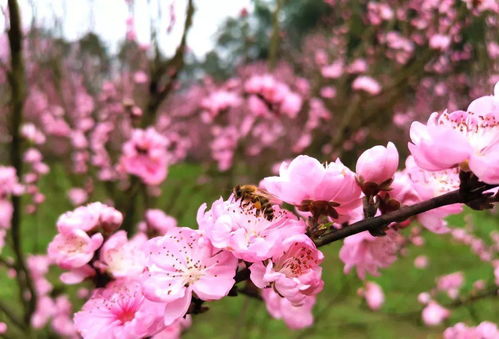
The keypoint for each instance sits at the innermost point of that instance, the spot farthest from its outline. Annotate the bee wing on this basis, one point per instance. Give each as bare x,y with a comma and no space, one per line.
272,198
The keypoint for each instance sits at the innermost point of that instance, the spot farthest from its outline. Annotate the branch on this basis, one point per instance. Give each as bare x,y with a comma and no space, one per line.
18,97
276,35
493,292
378,223
173,66
6,262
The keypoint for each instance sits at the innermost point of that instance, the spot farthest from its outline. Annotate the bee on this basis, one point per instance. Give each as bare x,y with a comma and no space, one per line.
258,198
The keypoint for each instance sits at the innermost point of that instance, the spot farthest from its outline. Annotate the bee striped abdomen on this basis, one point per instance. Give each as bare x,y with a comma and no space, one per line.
252,196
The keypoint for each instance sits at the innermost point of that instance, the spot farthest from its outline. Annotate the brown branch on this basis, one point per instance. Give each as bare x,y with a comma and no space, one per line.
172,67
18,98
6,262
493,292
380,222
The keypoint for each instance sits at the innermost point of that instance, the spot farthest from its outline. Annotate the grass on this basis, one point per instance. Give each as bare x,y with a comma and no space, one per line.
339,312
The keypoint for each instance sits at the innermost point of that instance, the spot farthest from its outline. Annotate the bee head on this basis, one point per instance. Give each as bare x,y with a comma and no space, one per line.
237,191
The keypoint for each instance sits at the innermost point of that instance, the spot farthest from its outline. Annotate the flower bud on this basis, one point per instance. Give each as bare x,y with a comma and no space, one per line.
378,164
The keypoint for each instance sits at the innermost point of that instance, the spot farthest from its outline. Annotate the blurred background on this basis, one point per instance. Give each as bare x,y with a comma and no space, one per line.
237,87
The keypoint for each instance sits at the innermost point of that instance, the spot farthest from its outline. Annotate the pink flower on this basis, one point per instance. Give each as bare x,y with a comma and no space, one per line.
45,309
219,101
6,211
3,233
119,311
379,12
9,183
451,283
333,71
140,77
427,185
3,328
424,298
440,41
245,231
145,155
328,92
469,139
174,331
182,262
122,257
305,178
367,253
38,266
421,261
77,275
378,164
73,248
293,272
485,330
295,316
157,221
77,196
274,93
373,293
62,322
367,84
433,314
90,217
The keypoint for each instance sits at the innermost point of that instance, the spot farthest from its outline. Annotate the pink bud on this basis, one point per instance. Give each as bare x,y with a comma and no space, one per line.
374,296
378,163
434,314
3,327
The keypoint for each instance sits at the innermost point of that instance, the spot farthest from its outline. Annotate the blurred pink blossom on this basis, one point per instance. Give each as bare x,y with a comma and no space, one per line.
294,316
433,314
367,84
145,155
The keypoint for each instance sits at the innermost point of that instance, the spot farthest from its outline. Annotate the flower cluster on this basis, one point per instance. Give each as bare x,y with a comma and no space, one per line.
121,128
9,185
80,234
466,139
485,330
145,155
148,284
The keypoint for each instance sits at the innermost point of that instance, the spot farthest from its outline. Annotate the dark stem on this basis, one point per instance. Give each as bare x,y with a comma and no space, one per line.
18,97
378,223
494,292
128,205
5,262
158,91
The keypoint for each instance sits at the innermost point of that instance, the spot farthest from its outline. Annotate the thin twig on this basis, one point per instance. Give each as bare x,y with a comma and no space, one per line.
493,292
